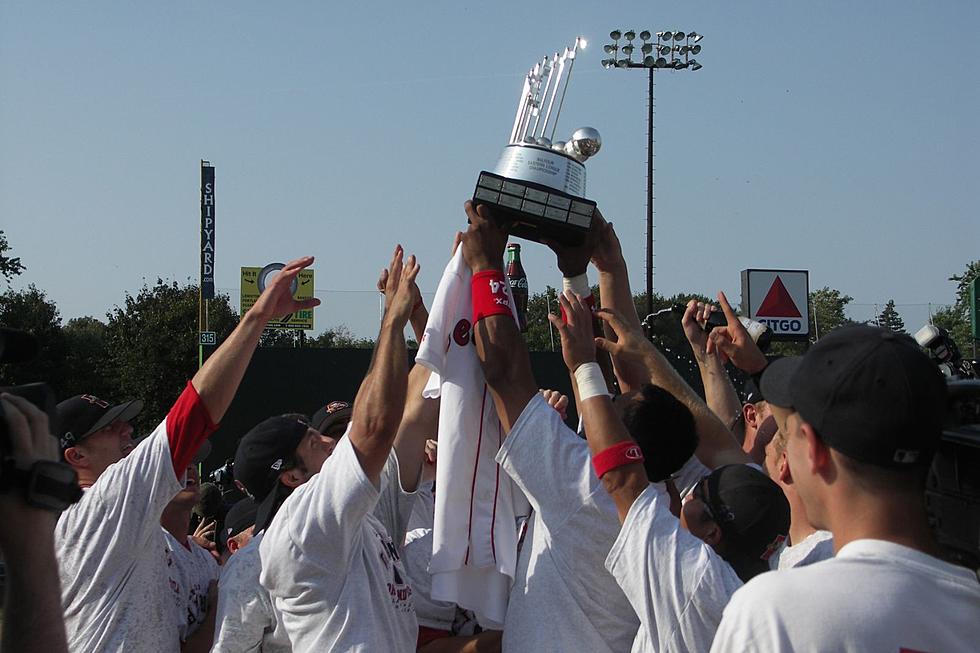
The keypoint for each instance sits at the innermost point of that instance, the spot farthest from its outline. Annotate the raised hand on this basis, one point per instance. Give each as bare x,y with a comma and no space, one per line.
400,289
573,260
577,336
608,253
693,322
630,347
556,400
484,241
277,298
204,534
733,343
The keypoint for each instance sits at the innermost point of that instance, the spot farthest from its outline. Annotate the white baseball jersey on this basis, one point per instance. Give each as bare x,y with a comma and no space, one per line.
817,546
874,596
191,570
475,536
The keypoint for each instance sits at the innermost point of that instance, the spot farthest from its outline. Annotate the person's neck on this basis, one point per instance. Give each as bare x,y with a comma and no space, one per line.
176,520
898,518
800,527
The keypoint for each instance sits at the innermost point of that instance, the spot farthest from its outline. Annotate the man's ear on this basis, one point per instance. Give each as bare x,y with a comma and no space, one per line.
231,544
713,537
750,415
783,473
292,478
75,457
817,451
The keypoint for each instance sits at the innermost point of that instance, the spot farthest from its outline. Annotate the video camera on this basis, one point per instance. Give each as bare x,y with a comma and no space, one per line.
953,484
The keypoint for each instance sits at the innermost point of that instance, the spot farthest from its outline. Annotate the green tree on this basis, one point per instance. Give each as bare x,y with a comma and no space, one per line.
956,319
10,266
890,319
86,364
152,344
827,311
540,335
341,337
30,310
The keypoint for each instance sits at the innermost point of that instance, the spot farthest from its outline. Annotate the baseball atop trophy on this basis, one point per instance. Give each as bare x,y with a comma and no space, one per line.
538,185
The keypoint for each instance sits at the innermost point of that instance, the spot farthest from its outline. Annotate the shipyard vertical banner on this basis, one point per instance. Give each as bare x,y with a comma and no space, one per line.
207,231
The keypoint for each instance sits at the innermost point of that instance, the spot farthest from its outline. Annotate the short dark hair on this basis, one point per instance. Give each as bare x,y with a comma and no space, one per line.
664,429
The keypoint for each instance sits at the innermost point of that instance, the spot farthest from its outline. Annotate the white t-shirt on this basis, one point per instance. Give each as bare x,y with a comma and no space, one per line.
474,540
817,546
676,583
190,572
874,596
246,621
563,598
416,555
112,556
330,565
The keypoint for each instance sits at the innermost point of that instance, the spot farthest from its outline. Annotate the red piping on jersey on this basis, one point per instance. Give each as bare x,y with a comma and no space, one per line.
496,491
476,462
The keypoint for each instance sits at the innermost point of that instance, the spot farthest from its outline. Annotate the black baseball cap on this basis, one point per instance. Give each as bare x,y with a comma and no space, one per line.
17,346
751,511
261,457
332,419
83,415
240,517
751,392
869,393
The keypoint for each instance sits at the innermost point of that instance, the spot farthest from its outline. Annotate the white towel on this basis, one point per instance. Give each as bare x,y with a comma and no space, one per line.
474,547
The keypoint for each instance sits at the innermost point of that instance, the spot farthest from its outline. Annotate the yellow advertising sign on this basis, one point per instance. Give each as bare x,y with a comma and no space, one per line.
253,283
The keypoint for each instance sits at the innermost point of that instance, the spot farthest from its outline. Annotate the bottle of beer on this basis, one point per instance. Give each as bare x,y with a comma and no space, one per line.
518,283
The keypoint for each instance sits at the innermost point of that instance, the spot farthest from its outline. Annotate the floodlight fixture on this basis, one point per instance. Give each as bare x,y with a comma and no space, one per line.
695,65
695,49
609,49
663,49
694,35
622,63
646,48
678,36
615,35
679,65
630,35
661,62
608,63
649,62
645,35
628,50
664,36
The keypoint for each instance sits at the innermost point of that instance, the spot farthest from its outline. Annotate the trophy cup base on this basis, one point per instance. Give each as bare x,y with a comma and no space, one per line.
535,211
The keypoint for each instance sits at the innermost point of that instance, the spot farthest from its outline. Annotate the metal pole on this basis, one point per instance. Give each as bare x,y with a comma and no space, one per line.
650,195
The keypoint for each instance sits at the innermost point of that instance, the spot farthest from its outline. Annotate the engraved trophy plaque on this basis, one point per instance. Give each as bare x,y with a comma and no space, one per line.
538,184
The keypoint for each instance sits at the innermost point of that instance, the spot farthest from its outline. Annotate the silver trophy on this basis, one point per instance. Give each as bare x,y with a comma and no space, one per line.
538,184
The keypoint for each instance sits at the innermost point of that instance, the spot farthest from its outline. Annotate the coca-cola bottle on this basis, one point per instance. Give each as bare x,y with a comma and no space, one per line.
518,283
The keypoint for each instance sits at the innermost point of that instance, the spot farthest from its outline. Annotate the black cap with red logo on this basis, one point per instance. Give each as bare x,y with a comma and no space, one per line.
83,415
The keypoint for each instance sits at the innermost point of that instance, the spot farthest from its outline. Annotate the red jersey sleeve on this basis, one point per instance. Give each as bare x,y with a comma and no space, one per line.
188,426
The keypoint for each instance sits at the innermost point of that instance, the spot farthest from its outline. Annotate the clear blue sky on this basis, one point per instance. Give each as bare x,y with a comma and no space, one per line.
839,137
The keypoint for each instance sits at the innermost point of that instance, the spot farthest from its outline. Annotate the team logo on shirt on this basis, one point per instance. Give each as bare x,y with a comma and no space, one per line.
399,591
461,332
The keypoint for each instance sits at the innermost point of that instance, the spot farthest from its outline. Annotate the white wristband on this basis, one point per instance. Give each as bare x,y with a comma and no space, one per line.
590,381
578,285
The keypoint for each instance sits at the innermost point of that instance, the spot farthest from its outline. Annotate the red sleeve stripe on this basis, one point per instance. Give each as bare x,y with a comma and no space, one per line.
188,426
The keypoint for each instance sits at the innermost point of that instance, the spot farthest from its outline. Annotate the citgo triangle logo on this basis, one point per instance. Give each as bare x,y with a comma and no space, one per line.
778,302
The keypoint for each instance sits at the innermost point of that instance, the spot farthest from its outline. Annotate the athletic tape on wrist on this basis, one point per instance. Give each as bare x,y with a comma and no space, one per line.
621,453
580,286
590,381
489,290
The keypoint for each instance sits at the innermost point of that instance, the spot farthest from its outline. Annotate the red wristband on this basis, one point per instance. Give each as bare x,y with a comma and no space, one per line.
588,300
489,289
621,453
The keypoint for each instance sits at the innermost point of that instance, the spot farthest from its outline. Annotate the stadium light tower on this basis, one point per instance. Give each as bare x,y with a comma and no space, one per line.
665,52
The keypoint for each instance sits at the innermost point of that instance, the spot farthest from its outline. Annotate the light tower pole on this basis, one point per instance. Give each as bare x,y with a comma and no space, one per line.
670,54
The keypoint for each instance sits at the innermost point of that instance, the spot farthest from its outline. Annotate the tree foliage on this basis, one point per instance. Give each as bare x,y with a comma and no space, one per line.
890,319
827,311
956,319
10,266
30,310
152,344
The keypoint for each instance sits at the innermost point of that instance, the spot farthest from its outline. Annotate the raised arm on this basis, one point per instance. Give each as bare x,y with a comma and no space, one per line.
380,401
716,446
420,422
719,393
217,381
604,429
615,294
499,346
